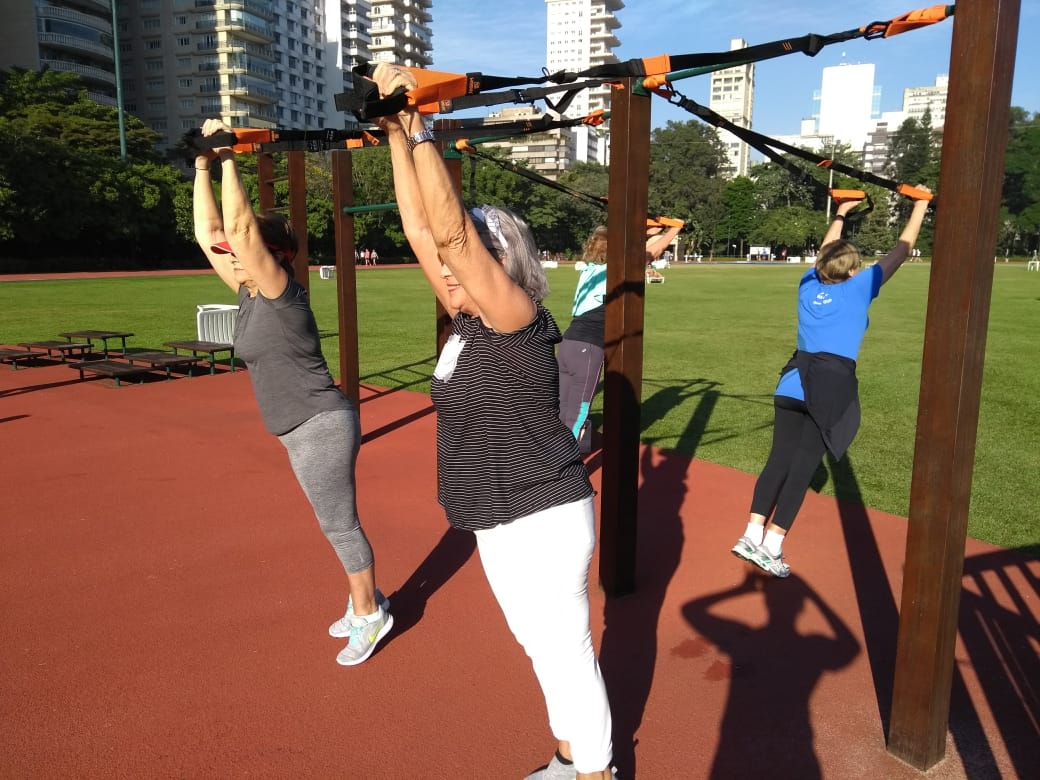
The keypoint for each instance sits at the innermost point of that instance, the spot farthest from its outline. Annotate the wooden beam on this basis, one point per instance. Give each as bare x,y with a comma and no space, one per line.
298,215
971,176
265,181
346,276
623,337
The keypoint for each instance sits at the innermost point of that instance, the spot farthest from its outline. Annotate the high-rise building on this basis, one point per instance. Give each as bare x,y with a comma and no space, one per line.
544,152
732,97
918,100
252,63
63,35
580,35
400,31
848,103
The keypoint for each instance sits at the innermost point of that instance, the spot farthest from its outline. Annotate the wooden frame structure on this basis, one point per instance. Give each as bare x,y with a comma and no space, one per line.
978,110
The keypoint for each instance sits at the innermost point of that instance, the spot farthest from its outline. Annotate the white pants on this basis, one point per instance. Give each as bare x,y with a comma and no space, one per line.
538,569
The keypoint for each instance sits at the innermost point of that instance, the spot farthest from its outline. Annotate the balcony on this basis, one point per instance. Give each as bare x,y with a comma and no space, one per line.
87,72
258,33
92,6
99,23
258,7
71,43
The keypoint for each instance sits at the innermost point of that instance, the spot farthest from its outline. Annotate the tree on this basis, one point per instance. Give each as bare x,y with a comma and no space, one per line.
1021,194
741,211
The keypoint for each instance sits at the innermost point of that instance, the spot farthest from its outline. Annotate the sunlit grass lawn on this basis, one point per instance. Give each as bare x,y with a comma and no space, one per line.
715,339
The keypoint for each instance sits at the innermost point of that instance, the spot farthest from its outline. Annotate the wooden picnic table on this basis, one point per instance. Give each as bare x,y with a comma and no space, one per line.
209,347
159,359
110,368
63,348
12,356
101,335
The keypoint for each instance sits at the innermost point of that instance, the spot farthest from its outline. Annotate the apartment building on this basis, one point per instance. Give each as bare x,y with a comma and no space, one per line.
580,34
63,35
733,97
253,63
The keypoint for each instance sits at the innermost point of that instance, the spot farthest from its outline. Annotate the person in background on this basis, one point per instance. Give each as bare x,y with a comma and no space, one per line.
277,337
580,354
507,468
816,402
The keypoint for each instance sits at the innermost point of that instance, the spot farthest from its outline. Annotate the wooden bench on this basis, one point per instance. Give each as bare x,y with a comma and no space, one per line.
165,360
114,369
209,347
65,349
12,356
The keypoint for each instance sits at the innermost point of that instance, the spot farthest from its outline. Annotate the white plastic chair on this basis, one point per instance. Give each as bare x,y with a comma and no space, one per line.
216,322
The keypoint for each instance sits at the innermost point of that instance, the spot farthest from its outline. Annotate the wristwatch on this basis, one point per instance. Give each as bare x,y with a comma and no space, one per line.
420,138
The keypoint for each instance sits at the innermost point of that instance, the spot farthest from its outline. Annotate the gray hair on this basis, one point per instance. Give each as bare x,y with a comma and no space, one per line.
507,236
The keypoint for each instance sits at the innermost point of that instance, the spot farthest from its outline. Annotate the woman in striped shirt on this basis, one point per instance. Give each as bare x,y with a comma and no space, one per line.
508,469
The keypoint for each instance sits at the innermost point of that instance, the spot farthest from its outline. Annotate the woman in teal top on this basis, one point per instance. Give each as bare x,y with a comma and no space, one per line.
816,404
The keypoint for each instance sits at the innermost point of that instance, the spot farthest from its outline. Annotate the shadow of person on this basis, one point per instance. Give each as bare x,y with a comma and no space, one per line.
772,669
409,601
628,650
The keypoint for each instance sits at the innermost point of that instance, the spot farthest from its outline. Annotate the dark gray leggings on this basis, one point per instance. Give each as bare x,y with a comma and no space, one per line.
798,448
323,452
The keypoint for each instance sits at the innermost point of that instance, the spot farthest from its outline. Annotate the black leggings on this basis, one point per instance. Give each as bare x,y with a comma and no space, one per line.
798,448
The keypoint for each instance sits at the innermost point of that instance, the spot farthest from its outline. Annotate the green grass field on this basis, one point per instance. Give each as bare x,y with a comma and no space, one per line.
715,339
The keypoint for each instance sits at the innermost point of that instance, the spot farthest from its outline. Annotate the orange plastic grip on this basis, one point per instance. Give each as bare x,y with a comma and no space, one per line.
848,194
671,222
914,193
662,63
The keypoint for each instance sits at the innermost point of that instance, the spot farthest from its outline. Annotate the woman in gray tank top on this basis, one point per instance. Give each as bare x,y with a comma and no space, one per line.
277,337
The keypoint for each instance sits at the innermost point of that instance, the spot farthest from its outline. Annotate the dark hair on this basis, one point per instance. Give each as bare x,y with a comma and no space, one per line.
277,232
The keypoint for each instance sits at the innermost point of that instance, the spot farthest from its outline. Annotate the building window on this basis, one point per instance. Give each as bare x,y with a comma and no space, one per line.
153,43
153,65
151,23
183,41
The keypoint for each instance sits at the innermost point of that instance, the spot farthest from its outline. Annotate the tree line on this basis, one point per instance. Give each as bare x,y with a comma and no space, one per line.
69,201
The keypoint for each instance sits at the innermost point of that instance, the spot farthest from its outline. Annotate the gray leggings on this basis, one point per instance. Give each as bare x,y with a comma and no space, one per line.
323,452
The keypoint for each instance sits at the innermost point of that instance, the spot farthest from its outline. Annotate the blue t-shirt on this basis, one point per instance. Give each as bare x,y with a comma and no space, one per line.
831,318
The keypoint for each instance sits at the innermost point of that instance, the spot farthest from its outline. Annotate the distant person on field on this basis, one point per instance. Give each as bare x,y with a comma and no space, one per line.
277,337
816,402
580,354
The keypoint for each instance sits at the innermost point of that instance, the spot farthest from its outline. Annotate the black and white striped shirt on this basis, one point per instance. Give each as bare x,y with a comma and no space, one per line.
502,451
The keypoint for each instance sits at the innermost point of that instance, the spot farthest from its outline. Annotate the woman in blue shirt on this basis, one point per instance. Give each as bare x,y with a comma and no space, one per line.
816,404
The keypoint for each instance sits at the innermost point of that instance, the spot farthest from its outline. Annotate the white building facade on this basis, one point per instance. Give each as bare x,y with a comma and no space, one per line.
732,97
580,34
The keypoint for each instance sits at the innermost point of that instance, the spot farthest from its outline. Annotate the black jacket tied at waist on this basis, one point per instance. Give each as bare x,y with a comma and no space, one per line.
831,396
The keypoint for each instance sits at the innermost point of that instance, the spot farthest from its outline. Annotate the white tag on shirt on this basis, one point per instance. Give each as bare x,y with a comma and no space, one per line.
449,357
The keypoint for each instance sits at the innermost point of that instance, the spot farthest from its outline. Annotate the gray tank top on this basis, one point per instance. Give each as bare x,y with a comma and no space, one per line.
278,340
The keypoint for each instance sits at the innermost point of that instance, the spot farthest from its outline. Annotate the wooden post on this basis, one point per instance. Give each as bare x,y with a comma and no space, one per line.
265,180
981,66
346,276
623,337
298,215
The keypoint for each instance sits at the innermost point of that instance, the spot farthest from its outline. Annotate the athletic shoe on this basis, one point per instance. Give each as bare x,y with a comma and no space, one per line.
767,563
557,770
365,633
744,548
341,628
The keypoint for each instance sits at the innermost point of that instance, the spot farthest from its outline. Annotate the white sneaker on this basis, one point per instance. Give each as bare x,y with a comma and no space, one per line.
365,633
341,628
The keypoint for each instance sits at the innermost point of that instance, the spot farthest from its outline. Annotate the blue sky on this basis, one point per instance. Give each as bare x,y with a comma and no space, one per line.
507,38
